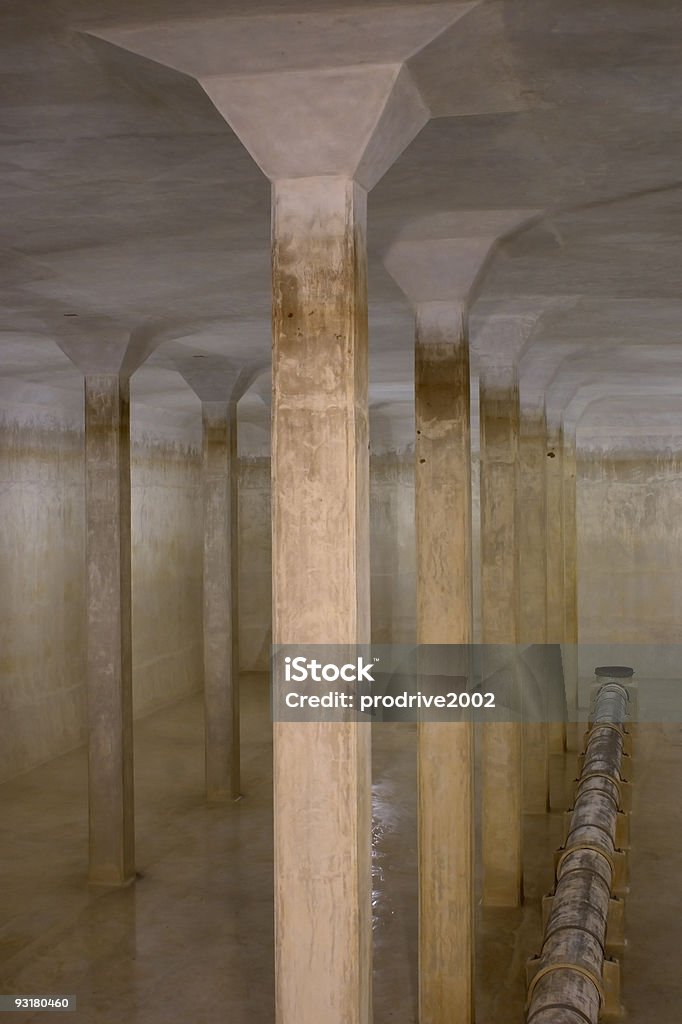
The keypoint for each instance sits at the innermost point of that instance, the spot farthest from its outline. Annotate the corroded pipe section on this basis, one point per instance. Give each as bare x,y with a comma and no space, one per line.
567,986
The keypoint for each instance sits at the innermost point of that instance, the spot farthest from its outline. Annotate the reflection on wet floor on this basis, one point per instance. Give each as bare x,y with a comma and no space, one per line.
394,876
386,821
505,938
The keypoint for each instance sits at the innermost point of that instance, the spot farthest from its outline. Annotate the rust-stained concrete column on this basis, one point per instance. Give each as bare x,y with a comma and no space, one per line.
502,746
107,368
444,615
570,633
532,539
109,649
554,507
219,383
438,261
532,528
221,657
324,132
320,509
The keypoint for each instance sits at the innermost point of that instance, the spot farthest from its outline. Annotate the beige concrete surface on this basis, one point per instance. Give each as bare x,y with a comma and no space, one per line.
154,219
320,594
532,550
502,742
554,475
42,601
220,599
166,558
554,510
629,558
255,564
108,632
392,548
193,938
160,947
137,139
445,751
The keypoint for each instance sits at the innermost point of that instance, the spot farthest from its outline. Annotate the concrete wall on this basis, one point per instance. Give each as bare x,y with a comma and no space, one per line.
42,599
42,602
630,560
167,573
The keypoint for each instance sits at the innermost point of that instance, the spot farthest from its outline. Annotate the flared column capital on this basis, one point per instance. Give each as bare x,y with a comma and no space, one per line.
443,258
320,93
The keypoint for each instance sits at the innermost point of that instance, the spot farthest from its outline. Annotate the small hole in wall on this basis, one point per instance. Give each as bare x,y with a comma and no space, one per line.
71,314
422,460
551,455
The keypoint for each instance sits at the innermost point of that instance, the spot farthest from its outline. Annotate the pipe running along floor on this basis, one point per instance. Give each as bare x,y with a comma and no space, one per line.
192,940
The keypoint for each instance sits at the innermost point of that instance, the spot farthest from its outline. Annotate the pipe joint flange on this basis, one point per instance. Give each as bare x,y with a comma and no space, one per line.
591,848
577,969
618,727
615,779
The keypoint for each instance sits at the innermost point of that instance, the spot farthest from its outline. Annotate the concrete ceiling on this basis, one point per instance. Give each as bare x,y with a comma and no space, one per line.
129,207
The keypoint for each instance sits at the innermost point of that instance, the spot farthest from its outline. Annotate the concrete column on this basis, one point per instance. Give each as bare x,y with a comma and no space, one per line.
570,649
438,263
324,134
221,659
320,510
532,588
502,747
555,557
219,383
107,368
109,650
234,592
444,616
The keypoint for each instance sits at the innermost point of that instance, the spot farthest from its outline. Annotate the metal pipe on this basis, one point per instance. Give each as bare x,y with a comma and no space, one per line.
567,987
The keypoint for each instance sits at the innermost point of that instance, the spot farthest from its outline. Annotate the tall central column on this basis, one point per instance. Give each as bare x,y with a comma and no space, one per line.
221,661
109,645
444,616
502,741
324,133
320,515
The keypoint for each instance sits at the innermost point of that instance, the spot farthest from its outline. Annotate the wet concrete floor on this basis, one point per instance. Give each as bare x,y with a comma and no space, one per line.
192,939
